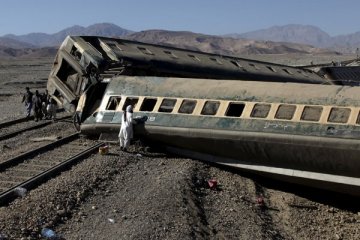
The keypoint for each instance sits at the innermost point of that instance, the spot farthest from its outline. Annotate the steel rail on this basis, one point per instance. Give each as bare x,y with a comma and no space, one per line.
11,193
14,133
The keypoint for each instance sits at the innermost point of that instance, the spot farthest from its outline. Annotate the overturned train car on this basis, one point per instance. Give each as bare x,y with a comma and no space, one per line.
84,65
282,121
303,133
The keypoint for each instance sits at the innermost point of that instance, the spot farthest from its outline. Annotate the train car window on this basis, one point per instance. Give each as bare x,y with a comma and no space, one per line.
271,68
130,101
358,119
172,55
285,112
311,113
76,53
167,105
193,57
287,71
113,103
216,60
210,108
148,104
235,109
187,106
260,110
145,50
339,115
236,63
253,65
114,46
68,75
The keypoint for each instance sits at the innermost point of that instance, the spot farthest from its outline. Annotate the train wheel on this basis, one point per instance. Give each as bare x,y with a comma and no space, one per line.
76,122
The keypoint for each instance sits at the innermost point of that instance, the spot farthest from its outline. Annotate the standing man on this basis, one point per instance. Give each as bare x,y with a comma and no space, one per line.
37,106
27,99
126,129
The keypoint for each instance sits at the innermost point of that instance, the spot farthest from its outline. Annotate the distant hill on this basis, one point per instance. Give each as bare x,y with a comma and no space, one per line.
6,53
304,34
12,43
50,40
221,45
275,40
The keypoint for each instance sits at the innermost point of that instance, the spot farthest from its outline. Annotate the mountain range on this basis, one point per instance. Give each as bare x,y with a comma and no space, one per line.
278,39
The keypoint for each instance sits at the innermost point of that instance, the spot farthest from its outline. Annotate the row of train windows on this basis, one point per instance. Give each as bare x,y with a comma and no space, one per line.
216,60
235,109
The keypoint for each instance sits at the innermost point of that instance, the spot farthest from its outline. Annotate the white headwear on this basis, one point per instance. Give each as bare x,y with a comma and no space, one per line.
129,108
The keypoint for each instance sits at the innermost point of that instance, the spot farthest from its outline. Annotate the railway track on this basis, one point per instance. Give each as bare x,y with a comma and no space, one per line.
14,127
32,168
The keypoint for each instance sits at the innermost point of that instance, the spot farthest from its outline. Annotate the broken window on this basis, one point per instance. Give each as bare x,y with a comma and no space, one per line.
167,105
260,110
311,113
76,53
235,109
148,104
187,106
113,103
285,112
130,101
68,75
210,108
339,115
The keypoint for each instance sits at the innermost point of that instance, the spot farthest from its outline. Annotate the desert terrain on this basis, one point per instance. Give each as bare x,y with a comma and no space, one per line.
154,195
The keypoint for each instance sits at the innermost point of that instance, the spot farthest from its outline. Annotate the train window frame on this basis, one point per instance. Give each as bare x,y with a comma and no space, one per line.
236,64
358,119
170,54
288,71
113,103
216,60
145,50
256,111
254,66
233,111
130,101
148,104
186,109
271,68
193,57
348,112
283,116
113,44
206,107
168,108
307,111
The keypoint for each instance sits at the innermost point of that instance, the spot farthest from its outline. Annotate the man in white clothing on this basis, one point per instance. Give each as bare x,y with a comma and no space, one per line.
126,129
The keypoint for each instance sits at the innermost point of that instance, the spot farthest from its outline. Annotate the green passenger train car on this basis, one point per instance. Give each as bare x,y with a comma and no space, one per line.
84,64
305,133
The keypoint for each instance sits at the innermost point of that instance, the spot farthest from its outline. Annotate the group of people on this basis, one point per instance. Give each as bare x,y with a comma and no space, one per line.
42,105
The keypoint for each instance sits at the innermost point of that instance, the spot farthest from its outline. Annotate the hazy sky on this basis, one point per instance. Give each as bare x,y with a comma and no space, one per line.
203,16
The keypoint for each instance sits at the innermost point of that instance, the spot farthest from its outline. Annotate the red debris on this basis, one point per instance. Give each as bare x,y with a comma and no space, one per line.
212,184
260,201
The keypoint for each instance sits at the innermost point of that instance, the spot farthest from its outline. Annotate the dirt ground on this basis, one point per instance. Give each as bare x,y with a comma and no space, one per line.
154,195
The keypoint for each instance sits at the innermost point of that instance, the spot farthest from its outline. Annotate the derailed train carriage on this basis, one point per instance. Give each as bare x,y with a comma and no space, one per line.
276,120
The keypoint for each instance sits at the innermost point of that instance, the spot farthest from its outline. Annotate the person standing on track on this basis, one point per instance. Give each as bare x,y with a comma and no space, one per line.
27,99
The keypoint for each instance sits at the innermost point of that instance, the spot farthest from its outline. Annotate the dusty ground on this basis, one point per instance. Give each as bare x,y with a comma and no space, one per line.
158,196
